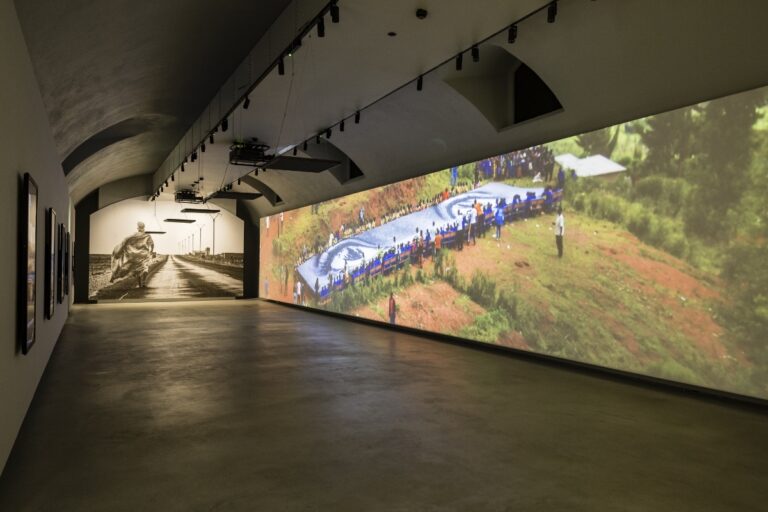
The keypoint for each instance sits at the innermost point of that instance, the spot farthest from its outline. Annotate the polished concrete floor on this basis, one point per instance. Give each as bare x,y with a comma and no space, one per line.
246,405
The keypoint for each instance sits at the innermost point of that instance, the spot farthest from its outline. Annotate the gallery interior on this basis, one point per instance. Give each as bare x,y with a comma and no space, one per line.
392,256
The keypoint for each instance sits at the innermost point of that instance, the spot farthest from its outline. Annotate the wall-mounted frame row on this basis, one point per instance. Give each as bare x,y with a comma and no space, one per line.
58,263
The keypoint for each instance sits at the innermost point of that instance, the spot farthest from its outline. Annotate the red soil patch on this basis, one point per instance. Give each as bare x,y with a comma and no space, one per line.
683,297
432,308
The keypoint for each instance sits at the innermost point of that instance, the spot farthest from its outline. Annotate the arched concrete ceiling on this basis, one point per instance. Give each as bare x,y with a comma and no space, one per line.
607,62
123,79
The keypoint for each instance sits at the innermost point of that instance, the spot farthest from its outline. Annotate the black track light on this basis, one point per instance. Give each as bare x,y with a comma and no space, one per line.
328,133
334,12
238,181
317,139
475,54
202,147
210,139
172,178
321,27
194,156
459,61
280,66
305,146
357,117
341,126
512,34
246,103
182,166
420,83
166,183
224,124
153,198
552,12
295,150
161,189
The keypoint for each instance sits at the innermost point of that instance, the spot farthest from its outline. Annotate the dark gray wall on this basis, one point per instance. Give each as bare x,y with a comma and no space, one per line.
83,210
26,145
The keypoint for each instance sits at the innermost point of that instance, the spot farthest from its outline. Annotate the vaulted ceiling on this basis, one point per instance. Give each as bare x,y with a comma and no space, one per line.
125,81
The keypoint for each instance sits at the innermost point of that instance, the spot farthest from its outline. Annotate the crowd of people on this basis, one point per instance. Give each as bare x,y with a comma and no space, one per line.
475,222
536,163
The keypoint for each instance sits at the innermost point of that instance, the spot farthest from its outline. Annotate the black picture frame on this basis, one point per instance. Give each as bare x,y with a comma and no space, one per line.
50,263
60,263
27,260
67,259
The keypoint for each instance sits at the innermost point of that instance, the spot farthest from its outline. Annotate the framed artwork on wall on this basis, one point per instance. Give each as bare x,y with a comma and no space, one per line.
27,280
50,263
60,263
67,252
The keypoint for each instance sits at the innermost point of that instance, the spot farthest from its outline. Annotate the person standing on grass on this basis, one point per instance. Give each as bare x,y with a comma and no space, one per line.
559,231
499,218
392,308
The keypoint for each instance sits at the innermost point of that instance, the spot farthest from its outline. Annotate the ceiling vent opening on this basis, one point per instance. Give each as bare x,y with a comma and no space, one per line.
504,89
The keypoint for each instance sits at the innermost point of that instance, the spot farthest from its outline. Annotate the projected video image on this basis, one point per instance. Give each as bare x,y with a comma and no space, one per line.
641,247
154,251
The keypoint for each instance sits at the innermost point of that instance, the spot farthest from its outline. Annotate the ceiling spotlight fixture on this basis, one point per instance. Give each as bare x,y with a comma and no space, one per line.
182,166
194,156
280,66
341,126
459,61
328,133
357,117
334,11
238,181
172,178
305,146
421,13
153,198
475,53
512,34
210,139
317,139
166,183
420,83
552,12
224,124
202,147
295,150
246,103
392,33
321,27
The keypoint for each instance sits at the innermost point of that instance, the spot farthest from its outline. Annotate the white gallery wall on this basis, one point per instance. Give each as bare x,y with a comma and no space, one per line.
26,145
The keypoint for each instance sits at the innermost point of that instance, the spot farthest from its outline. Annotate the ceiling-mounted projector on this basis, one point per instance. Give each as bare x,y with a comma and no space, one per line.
188,196
250,153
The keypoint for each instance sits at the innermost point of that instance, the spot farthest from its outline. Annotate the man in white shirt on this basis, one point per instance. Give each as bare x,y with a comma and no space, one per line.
298,292
559,231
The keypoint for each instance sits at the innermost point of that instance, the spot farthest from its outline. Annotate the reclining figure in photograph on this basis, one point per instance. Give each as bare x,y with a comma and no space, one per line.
132,257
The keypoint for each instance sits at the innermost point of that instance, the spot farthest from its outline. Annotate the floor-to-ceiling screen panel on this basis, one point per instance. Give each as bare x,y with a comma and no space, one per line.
157,250
658,263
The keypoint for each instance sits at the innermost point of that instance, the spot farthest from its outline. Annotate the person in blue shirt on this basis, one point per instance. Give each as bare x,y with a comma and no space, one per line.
561,178
499,220
454,176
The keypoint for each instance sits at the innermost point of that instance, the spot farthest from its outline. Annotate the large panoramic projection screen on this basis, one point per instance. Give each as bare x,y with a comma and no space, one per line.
142,250
660,267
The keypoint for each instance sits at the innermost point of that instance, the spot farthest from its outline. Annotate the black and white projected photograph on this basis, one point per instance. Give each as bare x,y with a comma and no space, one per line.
162,250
